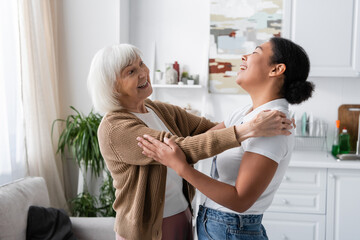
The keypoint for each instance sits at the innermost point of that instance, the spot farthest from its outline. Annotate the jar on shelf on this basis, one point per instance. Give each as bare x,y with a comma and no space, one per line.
171,75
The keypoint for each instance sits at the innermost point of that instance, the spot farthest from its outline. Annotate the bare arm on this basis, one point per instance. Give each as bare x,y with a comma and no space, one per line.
255,174
218,126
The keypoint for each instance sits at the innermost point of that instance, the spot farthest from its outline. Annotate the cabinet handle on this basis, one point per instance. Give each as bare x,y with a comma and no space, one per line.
285,202
286,178
284,237
332,176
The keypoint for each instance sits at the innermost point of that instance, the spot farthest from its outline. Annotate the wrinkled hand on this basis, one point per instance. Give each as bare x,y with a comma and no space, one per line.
271,123
167,153
266,124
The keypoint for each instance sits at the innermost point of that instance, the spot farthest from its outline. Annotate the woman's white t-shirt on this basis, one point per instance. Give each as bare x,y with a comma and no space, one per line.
175,201
278,148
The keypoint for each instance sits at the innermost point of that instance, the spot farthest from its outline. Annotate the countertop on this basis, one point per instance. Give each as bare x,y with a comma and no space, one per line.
320,159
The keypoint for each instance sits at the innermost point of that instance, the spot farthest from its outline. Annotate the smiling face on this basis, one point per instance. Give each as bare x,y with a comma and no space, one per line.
255,68
133,84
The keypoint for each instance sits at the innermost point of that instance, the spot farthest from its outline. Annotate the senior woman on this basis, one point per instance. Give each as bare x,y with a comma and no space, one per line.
152,201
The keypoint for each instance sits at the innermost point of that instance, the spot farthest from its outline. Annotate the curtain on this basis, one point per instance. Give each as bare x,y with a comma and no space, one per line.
12,142
39,76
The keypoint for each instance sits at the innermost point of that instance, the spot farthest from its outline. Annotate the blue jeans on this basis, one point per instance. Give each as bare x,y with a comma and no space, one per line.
216,225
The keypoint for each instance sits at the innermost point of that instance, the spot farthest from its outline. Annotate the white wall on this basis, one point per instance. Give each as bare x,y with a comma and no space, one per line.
181,32
84,26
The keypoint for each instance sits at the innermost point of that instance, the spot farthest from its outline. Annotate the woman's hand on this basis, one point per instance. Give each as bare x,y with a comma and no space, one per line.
266,124
167,153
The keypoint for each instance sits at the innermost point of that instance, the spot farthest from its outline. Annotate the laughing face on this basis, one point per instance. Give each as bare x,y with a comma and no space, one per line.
133,84
255,67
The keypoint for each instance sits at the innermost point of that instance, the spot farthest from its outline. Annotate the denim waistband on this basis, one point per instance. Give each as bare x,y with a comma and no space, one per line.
229,218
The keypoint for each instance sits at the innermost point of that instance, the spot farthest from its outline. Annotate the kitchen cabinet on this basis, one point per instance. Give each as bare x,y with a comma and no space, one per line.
302,190
329,31
287,226
343,205
299,206
318,199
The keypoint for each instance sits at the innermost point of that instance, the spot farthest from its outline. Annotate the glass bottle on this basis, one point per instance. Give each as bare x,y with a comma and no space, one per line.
176,67
344,142
171,76
335,147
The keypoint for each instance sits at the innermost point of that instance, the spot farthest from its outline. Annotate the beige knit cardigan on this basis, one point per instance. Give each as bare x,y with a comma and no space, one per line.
140,181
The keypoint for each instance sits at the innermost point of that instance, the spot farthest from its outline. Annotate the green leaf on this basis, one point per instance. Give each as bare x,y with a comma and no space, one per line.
79,135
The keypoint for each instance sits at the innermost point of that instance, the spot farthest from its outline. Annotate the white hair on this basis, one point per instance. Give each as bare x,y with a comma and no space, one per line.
106,66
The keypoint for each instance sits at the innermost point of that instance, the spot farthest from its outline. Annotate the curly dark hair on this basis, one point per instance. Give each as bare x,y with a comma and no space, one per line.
296,88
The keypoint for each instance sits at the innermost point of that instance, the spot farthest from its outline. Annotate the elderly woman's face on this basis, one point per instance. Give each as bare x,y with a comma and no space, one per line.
133,84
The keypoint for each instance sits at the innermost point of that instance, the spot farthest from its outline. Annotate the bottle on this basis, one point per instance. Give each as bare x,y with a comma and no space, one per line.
171,75
304,126
335,147
177,67
344,142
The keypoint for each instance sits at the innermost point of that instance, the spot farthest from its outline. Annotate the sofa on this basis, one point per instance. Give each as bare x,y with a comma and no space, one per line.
18,196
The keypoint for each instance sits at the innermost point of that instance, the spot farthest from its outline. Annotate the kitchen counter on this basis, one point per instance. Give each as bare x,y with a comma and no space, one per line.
320,159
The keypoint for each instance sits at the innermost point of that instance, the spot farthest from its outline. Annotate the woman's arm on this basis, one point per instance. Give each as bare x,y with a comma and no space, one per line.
255,174
266,123
218,126
118,132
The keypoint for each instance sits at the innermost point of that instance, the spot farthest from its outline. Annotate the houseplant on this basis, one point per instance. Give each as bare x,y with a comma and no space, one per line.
79,136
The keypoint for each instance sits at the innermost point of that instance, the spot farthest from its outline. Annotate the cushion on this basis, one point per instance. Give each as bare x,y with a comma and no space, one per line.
93,228
15,199
48,223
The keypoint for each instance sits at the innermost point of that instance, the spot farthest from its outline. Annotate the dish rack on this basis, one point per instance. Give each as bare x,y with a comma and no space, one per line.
313,143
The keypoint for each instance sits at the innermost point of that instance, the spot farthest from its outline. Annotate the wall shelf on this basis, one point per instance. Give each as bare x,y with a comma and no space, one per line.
176,86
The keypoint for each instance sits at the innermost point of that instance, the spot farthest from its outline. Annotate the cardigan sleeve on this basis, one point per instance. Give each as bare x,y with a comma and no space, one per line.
118,141
207,144
188,124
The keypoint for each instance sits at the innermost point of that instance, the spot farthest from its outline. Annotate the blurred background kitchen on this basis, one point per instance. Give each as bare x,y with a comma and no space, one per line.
319,198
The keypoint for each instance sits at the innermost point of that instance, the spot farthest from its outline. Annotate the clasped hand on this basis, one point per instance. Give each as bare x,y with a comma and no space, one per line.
167,153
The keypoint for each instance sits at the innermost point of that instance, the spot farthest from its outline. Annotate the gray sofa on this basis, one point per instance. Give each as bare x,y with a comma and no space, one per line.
15,199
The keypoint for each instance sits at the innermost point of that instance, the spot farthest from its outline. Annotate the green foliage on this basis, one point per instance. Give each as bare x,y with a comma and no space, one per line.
107,197
184,75
84,205
80,136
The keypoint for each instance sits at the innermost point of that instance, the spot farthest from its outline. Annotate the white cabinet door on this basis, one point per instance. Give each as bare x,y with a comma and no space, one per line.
329,32
343,205
286,226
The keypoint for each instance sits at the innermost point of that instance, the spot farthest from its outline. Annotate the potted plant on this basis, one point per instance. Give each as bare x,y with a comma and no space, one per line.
184,77
79,136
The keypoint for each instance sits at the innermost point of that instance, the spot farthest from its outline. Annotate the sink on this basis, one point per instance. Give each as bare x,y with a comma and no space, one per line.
348,157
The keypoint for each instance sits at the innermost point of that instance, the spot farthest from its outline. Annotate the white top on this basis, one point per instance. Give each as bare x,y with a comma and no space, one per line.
277,148
175,201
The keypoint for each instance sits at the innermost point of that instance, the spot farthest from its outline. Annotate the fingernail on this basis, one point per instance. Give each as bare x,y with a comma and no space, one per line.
138,138
139,144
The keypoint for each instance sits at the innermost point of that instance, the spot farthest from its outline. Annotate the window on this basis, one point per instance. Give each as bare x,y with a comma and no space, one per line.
12,144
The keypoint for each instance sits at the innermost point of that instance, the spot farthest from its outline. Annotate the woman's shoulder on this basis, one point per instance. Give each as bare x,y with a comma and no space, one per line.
165,109
236,116
117,118
158,104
